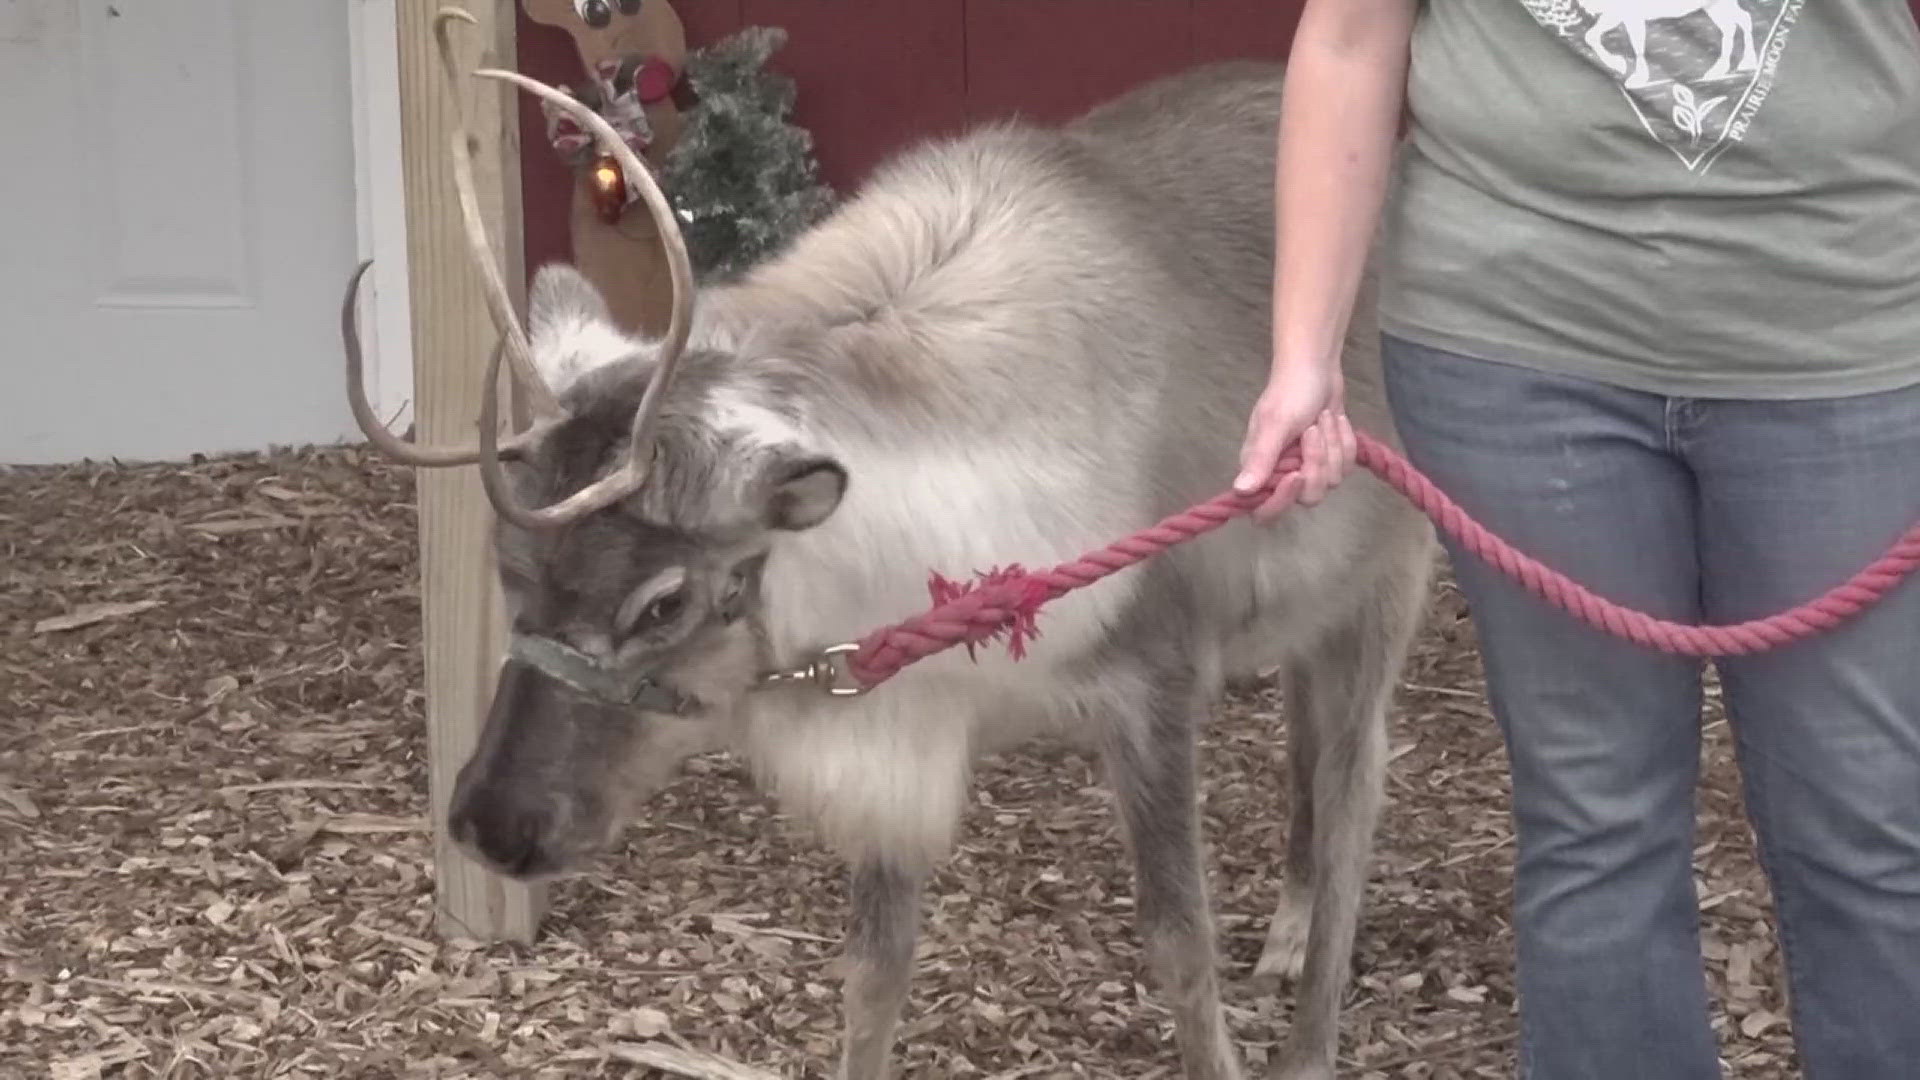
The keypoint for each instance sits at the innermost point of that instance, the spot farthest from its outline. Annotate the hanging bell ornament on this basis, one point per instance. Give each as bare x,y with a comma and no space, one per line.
609,187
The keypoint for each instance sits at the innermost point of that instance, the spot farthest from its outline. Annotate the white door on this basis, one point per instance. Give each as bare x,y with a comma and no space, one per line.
177,220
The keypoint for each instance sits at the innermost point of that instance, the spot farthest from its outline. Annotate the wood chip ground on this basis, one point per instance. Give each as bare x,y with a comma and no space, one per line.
216,864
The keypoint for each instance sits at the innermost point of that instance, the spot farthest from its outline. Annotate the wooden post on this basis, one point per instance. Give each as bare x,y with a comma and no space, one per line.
452,338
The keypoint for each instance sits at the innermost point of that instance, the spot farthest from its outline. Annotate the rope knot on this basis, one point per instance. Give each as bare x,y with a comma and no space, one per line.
1006,601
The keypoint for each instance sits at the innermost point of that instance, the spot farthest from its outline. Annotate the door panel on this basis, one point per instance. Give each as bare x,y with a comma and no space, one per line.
179,219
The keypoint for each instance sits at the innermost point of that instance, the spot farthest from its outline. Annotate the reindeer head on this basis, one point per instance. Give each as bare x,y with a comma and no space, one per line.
633,528
610,29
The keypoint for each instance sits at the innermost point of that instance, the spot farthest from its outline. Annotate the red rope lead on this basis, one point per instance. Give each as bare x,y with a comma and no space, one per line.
1006,601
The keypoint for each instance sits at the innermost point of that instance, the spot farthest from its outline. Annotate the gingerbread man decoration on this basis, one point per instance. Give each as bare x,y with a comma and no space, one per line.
632,54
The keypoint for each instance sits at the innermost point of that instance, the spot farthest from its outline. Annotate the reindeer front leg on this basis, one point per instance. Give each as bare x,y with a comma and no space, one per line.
882,926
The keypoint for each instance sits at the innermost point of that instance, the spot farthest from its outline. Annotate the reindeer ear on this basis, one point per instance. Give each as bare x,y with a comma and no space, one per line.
560,292
803,492
570,328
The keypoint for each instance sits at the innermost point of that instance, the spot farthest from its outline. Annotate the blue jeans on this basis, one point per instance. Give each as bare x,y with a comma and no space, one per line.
1697,511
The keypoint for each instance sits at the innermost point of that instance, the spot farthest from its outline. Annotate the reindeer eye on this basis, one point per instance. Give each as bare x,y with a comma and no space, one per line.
629,7
664,609
660,600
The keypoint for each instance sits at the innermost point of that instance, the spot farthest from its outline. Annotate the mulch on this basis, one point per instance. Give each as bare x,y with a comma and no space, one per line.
217,863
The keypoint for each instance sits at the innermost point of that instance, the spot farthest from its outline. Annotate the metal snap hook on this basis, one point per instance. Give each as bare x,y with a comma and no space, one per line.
824,672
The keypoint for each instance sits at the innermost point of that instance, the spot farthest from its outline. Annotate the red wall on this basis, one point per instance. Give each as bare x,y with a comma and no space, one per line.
874,74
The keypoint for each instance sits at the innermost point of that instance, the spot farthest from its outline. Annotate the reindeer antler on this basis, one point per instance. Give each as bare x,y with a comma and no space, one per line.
460,144
407,453
541,402
630,474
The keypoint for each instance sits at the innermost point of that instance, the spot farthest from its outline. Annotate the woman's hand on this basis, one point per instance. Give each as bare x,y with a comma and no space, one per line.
1303,401
1339,121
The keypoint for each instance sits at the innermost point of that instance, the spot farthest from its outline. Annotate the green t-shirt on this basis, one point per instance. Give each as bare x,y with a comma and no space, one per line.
1694,197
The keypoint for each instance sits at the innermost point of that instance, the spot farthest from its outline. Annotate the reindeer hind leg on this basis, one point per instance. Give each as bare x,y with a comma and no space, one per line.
1286,947
1149,754
1346,686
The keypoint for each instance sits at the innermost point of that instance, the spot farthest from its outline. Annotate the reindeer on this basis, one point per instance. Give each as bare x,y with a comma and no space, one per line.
1730,19
1011,345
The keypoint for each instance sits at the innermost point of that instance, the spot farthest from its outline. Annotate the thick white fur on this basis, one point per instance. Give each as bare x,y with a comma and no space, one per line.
887,772
750,423
1021,447
566,348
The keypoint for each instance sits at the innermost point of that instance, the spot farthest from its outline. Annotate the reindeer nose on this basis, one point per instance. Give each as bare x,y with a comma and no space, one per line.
511,833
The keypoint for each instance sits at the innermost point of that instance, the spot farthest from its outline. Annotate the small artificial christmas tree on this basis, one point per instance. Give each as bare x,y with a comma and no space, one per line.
743,179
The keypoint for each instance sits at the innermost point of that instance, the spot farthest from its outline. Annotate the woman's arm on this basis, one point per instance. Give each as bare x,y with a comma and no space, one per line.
1346,79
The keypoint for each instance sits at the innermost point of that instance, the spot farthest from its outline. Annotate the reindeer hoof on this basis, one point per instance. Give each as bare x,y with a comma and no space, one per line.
1285,955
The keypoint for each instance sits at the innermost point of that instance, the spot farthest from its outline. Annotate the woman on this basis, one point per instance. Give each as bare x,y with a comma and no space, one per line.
1650,294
